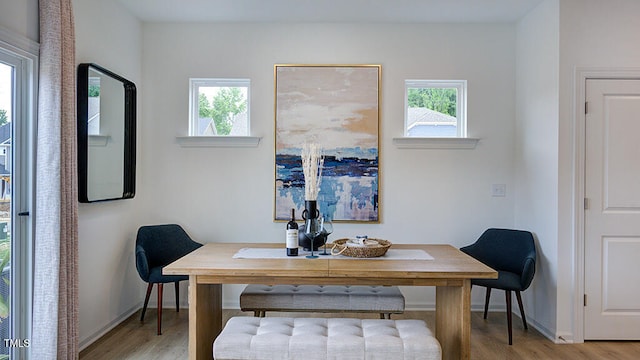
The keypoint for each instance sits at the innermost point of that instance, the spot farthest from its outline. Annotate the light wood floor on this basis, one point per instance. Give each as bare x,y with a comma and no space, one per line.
135,340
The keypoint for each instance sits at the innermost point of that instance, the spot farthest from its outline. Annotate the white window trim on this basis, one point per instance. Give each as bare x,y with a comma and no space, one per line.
27,52
195,140
461,106
461,141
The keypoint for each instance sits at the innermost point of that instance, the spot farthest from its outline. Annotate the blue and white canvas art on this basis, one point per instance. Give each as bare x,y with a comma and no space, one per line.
336,107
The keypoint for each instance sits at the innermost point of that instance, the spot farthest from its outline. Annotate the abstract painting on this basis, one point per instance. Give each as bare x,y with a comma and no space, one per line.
337,107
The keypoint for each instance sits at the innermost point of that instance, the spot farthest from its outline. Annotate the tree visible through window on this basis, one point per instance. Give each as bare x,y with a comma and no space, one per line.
435,108
442,100
3,117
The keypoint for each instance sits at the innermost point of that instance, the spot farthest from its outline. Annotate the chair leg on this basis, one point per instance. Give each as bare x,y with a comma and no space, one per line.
160,308
486,302
524,319
177,296
146,300
508,298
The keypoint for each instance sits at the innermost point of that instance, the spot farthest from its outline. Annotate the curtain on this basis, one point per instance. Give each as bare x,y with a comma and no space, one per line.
55,293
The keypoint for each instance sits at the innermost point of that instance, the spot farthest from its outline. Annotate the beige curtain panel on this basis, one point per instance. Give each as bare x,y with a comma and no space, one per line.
55,303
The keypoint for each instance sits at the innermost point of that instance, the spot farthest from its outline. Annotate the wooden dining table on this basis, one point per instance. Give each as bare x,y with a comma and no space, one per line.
213,265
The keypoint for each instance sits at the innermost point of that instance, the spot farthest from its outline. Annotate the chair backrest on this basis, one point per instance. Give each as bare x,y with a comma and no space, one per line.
163,244
504,249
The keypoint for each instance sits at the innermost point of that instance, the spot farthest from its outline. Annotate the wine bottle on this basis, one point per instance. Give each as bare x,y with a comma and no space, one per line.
292,235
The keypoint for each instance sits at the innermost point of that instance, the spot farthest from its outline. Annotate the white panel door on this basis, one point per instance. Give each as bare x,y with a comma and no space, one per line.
612,214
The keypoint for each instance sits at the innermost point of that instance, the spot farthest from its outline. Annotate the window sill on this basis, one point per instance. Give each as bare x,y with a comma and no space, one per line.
435,143
218,141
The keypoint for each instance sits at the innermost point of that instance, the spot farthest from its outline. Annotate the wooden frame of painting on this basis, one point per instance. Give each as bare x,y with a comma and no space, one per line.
337,107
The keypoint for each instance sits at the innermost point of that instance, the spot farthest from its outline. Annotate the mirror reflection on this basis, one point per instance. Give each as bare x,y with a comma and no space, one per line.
106,135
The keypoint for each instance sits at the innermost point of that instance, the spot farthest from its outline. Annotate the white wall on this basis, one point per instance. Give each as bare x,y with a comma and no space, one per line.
536,166
110,288
593,34
20,18
427,196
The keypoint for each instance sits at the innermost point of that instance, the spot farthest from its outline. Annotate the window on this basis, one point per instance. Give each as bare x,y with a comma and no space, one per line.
219,107
93,126
435,108
17,123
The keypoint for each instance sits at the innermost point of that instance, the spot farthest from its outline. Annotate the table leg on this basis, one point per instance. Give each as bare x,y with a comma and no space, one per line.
205,318
453,320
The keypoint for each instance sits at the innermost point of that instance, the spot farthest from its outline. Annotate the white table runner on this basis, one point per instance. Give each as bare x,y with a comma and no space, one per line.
280,253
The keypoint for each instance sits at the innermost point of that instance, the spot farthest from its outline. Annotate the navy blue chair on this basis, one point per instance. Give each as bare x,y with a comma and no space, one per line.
156,247
512,253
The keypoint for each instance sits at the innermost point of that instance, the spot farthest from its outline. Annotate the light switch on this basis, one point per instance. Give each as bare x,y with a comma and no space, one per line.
499,190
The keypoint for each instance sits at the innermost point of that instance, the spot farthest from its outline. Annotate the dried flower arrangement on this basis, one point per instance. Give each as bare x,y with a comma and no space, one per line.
312,162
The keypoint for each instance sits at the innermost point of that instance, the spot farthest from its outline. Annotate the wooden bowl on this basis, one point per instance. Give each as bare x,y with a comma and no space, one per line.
363,251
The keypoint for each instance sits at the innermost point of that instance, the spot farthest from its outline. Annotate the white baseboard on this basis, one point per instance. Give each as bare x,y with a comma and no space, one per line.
546,332
410,306
549,334
419,307
105,329
564,338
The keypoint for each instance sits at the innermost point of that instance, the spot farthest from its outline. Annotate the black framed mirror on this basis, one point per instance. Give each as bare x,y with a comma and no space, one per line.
106,135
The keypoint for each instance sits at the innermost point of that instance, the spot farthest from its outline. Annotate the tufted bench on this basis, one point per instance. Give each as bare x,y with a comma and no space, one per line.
385,300
316,338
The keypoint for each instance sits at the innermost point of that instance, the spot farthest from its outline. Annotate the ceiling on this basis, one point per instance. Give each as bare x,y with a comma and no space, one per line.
390,11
